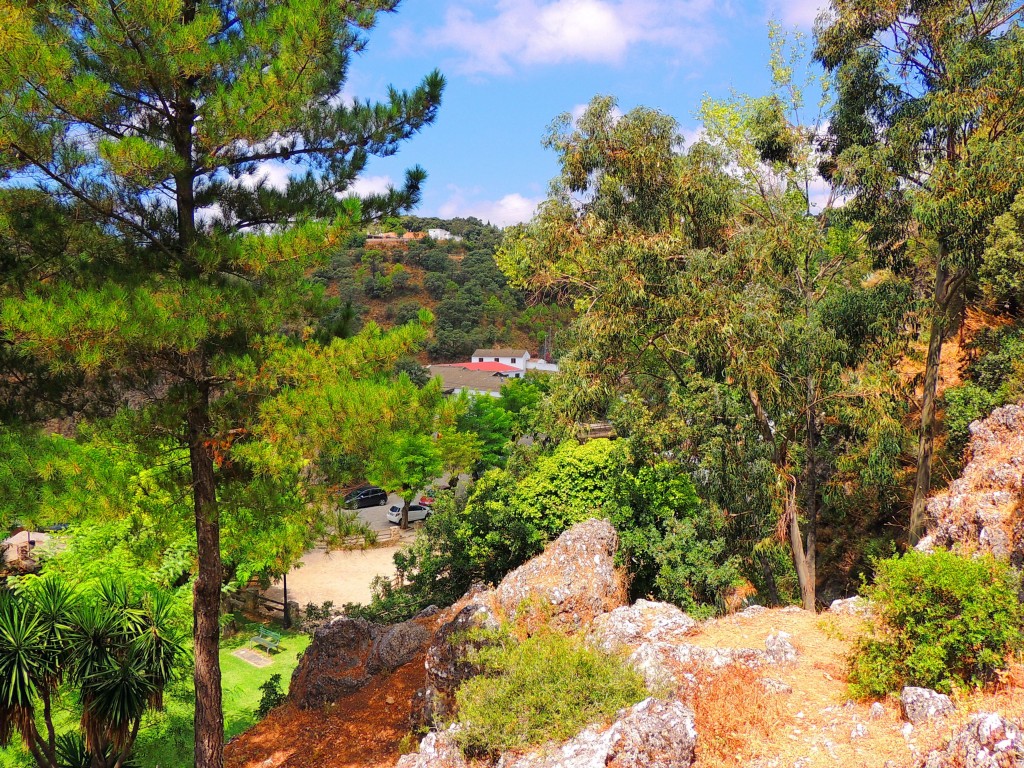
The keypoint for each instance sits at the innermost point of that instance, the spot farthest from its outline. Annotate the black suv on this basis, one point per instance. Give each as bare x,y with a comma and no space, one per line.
365,496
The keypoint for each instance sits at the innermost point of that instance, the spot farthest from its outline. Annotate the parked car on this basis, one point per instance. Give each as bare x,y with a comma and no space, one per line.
365,496
416,512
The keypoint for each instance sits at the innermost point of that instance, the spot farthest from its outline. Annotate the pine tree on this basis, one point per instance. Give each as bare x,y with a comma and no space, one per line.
158,117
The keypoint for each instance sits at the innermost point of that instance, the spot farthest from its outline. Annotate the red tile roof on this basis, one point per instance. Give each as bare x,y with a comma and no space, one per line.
490,366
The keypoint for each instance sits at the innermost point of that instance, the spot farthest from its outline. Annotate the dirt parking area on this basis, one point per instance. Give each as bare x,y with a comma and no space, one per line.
341,576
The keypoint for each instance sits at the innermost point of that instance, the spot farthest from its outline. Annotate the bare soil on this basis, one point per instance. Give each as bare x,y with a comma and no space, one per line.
341,576
365,729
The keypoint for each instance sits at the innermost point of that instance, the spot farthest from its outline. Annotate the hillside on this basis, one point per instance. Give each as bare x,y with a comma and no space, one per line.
388,282
767,687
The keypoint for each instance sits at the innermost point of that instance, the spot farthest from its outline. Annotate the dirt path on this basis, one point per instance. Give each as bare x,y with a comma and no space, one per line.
341,576
364,729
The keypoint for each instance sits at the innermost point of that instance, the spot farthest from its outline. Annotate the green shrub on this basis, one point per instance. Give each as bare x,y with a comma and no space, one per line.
272,696
965,404
546,687
942,620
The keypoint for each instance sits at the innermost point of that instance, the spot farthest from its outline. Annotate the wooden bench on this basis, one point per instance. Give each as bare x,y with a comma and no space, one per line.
269,640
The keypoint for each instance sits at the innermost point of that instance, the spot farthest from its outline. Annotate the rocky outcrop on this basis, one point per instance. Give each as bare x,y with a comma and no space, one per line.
573,581
448,662
437,750
922,704
642,622
850,606
983,510
651,734
779,648
346,653
672,664
655,637
987,741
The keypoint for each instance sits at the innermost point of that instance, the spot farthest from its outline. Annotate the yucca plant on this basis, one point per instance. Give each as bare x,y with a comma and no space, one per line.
115,647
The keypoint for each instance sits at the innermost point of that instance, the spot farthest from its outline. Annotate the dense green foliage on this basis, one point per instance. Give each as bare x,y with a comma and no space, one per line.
942,620
191,301
672,545
925,138
271,696
542,688
724,324
192,358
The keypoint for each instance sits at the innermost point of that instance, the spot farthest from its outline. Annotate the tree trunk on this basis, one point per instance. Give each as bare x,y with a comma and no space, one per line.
808,587
51,736
769,580
209,716
926,438
405,514
804,570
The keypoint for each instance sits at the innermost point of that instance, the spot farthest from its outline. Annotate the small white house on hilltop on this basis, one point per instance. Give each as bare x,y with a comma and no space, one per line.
442,234
517,358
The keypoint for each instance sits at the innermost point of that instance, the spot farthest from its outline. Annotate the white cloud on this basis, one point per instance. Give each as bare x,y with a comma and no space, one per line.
532,32
513,208
798,13
370,185
272,173
692,135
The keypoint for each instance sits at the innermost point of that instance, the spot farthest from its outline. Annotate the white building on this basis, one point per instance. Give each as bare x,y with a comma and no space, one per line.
442,234
516,358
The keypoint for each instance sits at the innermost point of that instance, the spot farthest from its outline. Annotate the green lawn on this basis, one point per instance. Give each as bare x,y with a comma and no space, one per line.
165,740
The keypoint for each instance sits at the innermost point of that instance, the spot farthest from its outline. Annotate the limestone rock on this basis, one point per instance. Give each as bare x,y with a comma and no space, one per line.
398,645
575,577
780,650
921,704
987,741
437,750
334,664
772,685
652,734
573,581
448,664
664,664
644,621
752,610
850,606
984,508
345,654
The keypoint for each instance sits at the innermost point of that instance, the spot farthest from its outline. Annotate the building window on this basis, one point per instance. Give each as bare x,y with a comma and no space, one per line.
513,361
497,360
479,359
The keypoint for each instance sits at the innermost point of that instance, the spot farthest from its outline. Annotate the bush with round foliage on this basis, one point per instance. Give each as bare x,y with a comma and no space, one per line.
941,620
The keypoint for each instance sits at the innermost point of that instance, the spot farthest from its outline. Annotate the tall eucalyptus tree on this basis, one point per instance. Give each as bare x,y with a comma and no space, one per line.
927,136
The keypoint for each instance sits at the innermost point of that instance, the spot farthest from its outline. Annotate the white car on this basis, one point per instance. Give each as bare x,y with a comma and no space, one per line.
416,512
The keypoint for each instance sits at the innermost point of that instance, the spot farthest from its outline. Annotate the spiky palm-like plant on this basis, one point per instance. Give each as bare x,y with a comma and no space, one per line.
115,648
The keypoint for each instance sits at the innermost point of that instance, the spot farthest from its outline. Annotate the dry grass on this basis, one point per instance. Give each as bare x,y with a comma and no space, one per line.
816,722
726,730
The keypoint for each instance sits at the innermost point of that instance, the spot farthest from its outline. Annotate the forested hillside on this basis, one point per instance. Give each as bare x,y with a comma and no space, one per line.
457,280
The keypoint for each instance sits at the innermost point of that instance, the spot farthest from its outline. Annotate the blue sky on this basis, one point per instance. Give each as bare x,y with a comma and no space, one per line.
513,65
